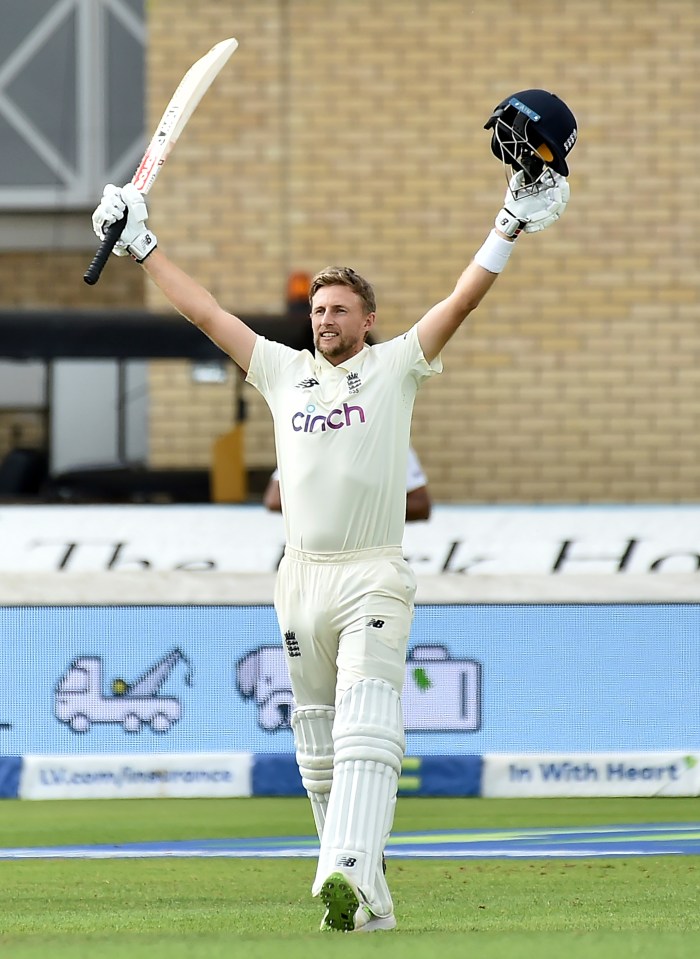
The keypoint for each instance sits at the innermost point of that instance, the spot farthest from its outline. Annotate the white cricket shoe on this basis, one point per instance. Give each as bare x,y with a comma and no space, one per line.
345,909
366,921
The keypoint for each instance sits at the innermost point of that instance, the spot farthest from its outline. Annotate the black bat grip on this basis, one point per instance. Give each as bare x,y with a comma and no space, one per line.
112,234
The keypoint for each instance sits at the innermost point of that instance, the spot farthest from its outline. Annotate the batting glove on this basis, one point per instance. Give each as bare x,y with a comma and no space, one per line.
136,240
532,207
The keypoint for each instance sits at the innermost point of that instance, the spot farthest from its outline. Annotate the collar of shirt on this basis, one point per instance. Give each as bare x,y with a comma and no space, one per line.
348,366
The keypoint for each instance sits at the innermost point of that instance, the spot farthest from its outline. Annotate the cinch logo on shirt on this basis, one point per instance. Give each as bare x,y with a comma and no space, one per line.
309,421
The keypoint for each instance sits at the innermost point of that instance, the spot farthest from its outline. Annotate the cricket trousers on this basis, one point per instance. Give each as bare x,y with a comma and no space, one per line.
344,617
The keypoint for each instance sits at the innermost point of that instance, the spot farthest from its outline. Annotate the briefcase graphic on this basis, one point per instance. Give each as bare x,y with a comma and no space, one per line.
441,694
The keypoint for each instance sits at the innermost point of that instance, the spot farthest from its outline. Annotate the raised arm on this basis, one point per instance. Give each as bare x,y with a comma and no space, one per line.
526,209
197,305
188,297
443,320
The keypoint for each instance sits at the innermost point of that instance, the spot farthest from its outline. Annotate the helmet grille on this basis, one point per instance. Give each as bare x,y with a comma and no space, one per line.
512,143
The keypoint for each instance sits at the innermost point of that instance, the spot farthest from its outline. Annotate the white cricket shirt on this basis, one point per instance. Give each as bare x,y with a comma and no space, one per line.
415,477
341,438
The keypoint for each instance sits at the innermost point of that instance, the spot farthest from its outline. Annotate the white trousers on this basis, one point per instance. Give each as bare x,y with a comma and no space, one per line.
344,617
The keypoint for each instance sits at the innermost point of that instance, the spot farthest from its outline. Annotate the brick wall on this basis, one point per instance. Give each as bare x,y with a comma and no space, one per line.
350,131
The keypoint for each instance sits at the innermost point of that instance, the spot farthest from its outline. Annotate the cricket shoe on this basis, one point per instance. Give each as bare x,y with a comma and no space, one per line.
345,909
366,921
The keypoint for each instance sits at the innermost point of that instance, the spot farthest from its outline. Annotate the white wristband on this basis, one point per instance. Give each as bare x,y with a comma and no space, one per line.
493,254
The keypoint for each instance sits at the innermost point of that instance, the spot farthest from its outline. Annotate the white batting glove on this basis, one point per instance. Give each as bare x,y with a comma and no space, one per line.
534,207
136,240
110,209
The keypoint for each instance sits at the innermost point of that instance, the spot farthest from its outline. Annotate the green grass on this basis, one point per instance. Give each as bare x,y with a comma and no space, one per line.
196,908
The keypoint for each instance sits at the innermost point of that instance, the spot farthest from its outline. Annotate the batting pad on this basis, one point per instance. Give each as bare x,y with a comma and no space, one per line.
369,747
313,734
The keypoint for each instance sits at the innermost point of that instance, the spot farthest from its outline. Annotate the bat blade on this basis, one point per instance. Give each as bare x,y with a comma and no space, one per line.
182,105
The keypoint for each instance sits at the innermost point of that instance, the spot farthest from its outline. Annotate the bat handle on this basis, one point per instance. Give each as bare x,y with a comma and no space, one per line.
112,234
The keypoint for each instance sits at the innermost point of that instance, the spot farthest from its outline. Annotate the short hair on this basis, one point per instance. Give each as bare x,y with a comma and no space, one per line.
344,276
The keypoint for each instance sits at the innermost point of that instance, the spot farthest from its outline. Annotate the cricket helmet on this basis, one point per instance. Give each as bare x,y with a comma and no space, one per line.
533,130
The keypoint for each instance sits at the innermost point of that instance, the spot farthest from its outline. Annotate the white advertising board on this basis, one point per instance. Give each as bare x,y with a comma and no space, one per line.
591,774
467,541
129,776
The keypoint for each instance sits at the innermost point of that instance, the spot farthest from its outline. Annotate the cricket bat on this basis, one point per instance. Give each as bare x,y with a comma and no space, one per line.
182,105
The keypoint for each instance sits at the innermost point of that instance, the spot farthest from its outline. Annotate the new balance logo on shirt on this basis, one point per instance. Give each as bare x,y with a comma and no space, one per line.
377,623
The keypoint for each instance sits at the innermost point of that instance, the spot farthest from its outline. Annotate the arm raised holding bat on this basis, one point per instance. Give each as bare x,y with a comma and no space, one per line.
180,108
191,299
342,417
195,303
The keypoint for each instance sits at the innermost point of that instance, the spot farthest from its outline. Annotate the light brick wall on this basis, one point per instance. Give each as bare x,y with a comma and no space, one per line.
350,131
54,278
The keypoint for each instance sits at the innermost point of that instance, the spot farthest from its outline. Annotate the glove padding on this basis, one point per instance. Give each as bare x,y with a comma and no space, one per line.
535,207
136,240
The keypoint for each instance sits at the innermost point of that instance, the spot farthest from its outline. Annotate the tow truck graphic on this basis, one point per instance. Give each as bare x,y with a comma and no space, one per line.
440,694
79,700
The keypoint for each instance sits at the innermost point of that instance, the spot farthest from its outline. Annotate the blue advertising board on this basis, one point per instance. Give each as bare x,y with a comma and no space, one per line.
479,679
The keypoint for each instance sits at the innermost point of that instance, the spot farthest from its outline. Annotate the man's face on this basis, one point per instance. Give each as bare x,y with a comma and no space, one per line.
339,323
